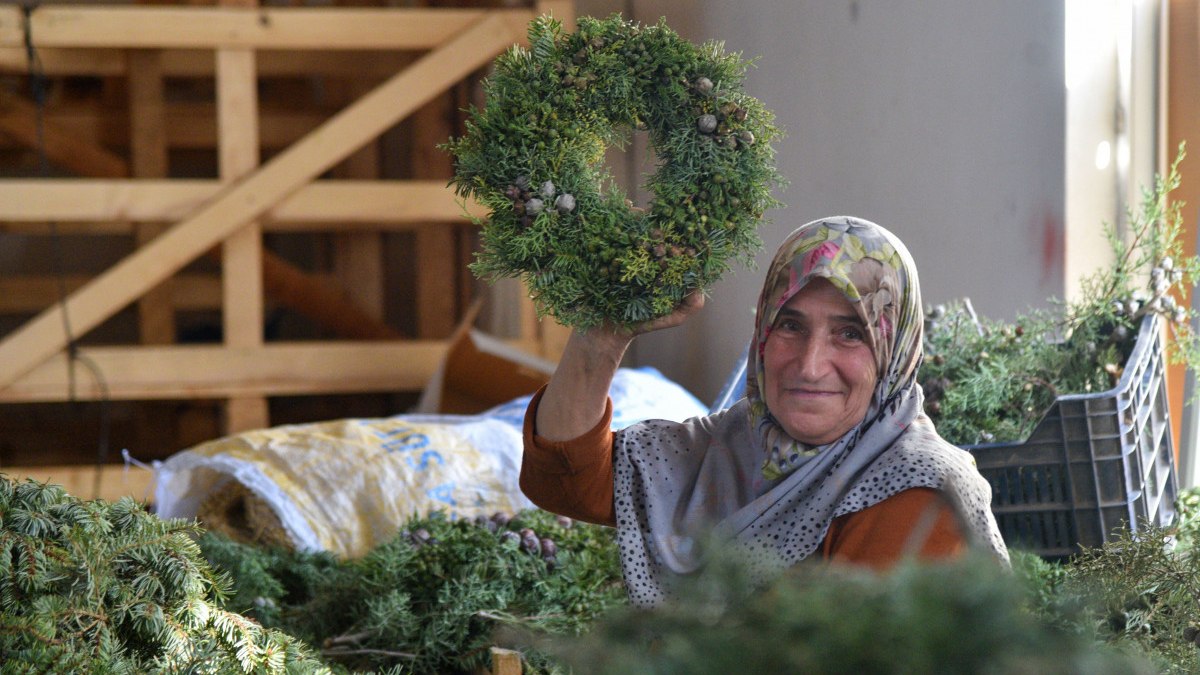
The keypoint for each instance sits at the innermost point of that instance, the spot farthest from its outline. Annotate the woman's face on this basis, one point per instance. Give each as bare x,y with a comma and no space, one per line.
818,369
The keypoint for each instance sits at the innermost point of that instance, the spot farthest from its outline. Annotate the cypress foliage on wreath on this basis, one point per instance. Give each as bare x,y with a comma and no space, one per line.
534,157
105,587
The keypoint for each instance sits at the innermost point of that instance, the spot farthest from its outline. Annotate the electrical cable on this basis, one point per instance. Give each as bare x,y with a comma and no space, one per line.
37,84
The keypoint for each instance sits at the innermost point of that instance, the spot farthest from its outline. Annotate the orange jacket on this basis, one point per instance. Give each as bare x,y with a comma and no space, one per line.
575,478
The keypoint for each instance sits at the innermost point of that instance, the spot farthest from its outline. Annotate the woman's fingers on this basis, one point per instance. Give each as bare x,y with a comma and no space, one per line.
692,303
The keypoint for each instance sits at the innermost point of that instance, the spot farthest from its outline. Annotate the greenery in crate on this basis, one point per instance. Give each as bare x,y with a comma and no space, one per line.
431,599
534,158
1139,593
992,381
105,587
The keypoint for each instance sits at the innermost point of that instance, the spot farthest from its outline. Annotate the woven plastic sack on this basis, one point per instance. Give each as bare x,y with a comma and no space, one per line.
348,485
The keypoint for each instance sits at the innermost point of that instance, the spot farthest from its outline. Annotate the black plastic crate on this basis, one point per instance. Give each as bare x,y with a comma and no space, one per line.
1094,464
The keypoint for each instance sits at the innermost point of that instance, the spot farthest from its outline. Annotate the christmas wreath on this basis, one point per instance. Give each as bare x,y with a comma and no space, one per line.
534,157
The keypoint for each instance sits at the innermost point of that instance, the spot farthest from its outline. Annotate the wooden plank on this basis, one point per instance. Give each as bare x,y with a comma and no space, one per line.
1182,92
357,257
505,661
437,310
12,25
147,114
18,120
189,125
241,253
254,28
313,207
323,301
436,249
42,337
115,480
148,159
213,371
56,61
29,295
358,266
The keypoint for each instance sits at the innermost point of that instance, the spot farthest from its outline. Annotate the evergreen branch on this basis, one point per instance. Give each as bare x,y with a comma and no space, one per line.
341,652
342,639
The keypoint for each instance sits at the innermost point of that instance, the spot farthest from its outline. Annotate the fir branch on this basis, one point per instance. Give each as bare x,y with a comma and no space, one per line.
342,652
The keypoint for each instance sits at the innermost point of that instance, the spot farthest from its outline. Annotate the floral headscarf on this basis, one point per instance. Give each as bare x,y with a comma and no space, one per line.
871,267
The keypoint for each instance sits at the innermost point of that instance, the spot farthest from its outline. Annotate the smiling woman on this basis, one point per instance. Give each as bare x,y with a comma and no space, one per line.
829,455
822,369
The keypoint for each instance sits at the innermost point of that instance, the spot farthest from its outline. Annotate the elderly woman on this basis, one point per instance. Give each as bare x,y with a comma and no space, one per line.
828,456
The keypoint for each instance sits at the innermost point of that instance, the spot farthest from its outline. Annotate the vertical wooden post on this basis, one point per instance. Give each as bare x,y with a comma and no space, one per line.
358,256
1183,124
241,273
505,661
437,310
148,159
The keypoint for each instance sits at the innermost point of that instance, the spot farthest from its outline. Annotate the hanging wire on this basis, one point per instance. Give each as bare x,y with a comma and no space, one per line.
37,84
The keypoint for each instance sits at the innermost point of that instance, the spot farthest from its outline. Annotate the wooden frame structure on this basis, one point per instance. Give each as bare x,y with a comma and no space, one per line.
180,220
1181,91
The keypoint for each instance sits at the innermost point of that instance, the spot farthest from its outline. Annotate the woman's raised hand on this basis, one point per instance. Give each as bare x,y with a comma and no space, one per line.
577,395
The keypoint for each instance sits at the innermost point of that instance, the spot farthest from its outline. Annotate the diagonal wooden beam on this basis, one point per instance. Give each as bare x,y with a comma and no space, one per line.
18,119
43,336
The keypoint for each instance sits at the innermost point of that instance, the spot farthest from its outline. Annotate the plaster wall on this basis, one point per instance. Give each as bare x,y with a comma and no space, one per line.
941,120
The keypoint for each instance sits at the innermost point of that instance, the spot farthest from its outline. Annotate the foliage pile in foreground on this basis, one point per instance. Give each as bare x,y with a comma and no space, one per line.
992,381
431,599
105,587
969,616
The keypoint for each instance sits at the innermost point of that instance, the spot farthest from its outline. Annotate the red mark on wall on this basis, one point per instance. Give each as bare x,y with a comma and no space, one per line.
1053,239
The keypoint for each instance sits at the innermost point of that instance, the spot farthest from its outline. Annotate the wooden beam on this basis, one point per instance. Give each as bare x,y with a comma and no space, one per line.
42,337
505,661
32,294
18,119
214,371
1183,124
189,125
436,246
312,207
251,28
148,159
357,257
12,25
242,320
324,301
115,480
57,61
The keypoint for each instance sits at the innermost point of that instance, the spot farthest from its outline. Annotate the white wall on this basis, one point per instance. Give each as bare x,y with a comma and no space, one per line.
939,119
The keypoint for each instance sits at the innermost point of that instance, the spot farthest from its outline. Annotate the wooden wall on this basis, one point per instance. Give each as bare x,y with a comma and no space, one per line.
216,217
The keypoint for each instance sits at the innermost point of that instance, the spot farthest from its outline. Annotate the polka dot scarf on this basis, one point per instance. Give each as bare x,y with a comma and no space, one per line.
737,473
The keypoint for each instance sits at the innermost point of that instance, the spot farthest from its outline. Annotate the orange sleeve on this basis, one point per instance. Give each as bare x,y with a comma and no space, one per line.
573,478
879,535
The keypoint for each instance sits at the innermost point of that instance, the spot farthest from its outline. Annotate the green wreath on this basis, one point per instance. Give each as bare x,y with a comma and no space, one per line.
533,156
